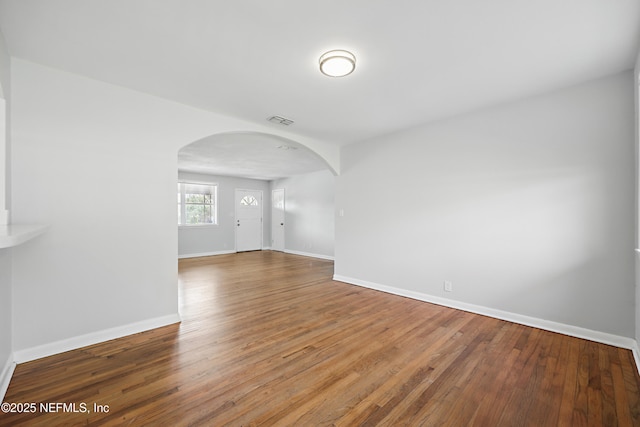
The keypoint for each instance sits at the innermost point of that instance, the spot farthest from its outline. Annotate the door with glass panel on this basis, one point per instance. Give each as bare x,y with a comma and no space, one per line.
248,220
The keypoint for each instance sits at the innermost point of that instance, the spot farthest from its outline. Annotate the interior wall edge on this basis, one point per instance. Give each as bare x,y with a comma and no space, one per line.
5,376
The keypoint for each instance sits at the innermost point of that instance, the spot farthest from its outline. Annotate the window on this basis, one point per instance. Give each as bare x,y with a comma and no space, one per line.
249,201
197,204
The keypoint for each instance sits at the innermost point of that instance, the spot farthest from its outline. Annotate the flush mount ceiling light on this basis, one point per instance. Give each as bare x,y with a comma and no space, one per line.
337,63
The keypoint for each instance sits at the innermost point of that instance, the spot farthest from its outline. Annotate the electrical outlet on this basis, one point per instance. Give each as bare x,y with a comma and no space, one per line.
448,286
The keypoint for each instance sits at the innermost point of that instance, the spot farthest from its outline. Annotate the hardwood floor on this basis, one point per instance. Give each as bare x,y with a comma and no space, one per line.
269,339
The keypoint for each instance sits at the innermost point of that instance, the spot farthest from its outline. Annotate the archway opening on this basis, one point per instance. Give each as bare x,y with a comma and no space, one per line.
225,163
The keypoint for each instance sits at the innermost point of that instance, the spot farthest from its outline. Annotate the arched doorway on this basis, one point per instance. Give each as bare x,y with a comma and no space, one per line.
232,162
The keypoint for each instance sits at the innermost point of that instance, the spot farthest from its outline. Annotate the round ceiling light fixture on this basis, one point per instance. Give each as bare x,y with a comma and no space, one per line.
337,63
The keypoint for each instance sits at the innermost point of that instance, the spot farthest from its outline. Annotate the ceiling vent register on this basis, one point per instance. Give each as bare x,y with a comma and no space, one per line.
280,120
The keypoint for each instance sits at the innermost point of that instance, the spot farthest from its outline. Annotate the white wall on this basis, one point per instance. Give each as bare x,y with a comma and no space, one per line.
6,348
211,240
5,135
6,312
637,194
309,213
5,69
527,208
99,164
83,162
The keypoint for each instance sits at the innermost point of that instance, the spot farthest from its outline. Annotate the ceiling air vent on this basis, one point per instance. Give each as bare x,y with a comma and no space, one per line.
280,120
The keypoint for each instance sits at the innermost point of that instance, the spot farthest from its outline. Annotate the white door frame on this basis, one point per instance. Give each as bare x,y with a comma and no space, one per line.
277,223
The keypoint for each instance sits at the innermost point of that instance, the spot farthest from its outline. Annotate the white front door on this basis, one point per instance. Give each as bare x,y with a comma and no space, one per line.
277,220
248,220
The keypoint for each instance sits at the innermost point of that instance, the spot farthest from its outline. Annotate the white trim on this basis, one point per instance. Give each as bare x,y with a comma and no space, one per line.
203,254
327,257
16,234
574,331
191,181
192,226
5,376
33,353
278,225
636,355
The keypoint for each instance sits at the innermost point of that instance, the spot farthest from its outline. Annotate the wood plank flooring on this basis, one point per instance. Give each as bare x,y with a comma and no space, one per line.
269,339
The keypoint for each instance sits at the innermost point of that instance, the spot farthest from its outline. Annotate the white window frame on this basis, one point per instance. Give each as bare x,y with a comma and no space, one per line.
182,205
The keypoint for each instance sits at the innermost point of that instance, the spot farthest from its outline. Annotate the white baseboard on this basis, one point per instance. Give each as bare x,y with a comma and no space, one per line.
636,355
309,254
38,352
574,331
203,254
5,376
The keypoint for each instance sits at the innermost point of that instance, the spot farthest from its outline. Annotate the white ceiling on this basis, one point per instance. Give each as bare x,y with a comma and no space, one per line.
417,60
249,155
